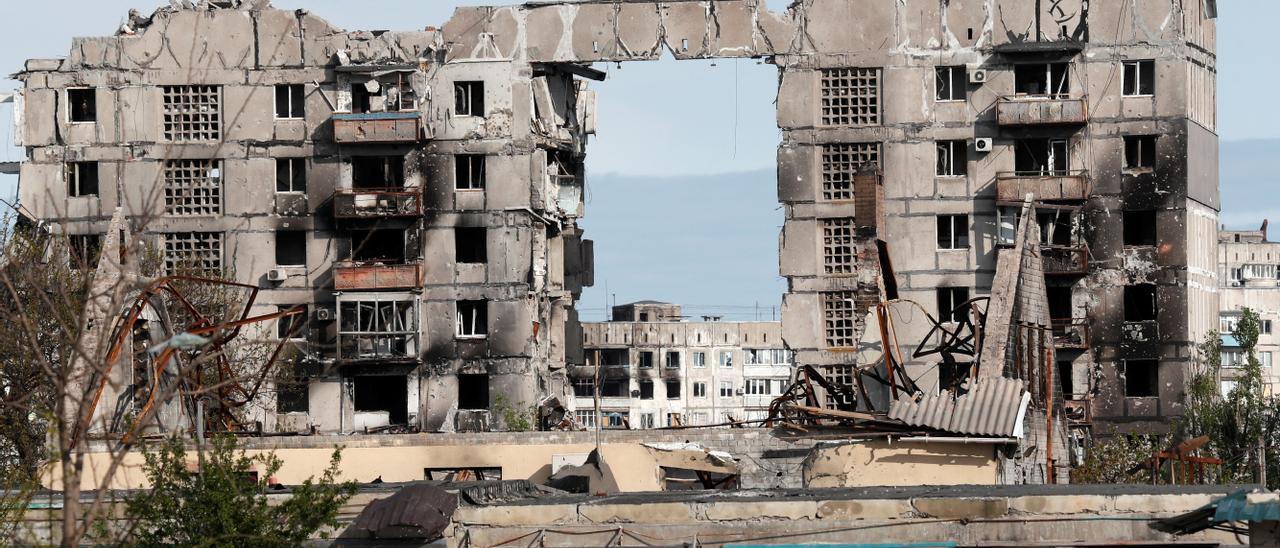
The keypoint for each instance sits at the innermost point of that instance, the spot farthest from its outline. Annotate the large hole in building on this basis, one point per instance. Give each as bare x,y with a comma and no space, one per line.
692,217
386,394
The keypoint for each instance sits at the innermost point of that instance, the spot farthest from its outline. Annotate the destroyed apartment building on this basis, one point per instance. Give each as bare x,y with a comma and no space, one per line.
996,197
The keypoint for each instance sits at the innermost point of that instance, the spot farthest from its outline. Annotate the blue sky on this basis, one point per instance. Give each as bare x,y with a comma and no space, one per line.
669,125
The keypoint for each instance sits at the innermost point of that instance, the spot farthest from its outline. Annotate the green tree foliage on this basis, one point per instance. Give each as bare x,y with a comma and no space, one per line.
1119,460
219,503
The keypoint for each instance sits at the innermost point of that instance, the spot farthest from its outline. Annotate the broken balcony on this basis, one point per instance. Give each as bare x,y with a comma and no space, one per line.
1047,186
371,276
377,128
1065,260
1029,110
373,203
1071,333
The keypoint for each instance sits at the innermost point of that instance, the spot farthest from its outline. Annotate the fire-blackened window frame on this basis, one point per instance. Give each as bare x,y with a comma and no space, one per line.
1141,303
850,97
291,248
378,327
1140,153
193,188
1141,378
841,162
470,245
473,391
840,319
193,253
192,113
839,254
1140,228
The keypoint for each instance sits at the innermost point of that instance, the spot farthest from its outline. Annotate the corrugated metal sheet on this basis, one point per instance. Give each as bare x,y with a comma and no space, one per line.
991,408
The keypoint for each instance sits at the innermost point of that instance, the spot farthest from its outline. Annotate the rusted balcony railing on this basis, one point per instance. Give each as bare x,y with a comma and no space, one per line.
1065,260
377,127
373,203
1071,333
1030,110
1044,186
348,276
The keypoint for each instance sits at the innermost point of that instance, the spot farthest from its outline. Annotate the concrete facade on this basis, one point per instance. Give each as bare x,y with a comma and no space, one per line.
658,370
916,123
1247,266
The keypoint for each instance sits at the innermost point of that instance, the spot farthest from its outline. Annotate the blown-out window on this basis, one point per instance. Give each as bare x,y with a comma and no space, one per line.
377,329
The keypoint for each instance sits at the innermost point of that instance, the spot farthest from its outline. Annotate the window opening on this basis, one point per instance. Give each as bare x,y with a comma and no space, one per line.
1140,303
82,179
473,391
469,98
387,394
953,158
951,83
470,245
473,319
291,175
1139,77
469,172
673,390
1048,157
1139,227
193,252
949,300
1140,152
82,104
1049,79
291,248
953,231
1141,377
377,172
290,101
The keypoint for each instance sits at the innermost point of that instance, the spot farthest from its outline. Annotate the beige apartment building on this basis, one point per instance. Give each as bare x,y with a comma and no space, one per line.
660,369
420,190
1248,264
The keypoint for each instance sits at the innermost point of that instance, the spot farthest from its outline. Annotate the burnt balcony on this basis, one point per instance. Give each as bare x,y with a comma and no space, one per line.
1044,186
1037,110
377,128
365,276
1065,260
1071,333
376,203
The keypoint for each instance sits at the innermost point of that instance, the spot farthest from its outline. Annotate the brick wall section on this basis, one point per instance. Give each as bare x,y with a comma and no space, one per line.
752,448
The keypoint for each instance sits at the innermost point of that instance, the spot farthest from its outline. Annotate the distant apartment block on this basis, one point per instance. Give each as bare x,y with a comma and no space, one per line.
1249,266
651,368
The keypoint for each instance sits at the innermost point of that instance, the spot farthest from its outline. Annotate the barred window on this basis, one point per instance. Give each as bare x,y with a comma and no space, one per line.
839,317
192,113
193,187
837,246
193,252
840,162
851,97
840,375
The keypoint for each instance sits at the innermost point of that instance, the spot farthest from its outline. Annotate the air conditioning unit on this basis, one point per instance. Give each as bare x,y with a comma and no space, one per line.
983,144
977,76
324,314
277,275
1237,284
738,392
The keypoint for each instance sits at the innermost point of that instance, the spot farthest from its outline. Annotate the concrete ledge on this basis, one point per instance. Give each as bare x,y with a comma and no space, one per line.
1168,504
962,508
864,509
1060,505
555,514
743,511
658,512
